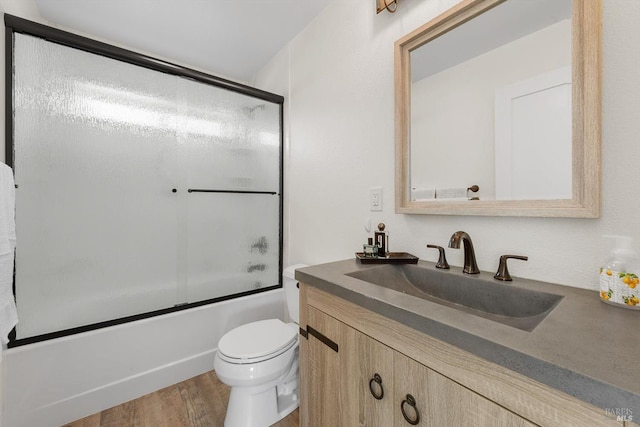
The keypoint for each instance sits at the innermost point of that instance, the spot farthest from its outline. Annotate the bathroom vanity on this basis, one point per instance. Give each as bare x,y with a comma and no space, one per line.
376,355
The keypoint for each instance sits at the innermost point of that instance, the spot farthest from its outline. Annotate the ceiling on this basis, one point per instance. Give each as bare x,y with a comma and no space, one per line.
498,26
228,38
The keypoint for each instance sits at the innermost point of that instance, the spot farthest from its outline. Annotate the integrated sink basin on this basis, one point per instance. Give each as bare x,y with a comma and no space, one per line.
480,295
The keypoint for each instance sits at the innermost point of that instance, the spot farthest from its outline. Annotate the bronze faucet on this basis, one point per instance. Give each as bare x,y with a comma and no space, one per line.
503,271
470,266
442,260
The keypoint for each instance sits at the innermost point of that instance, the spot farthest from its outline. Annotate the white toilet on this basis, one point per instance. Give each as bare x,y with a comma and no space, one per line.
259,361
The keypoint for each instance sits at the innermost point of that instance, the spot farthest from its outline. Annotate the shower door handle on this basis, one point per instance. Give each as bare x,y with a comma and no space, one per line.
204,190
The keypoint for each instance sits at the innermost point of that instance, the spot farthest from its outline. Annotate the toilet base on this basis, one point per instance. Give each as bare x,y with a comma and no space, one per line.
249,407
264,405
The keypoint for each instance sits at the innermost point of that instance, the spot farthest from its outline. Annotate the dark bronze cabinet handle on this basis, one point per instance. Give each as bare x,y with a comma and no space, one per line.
377,380
411,401
323,338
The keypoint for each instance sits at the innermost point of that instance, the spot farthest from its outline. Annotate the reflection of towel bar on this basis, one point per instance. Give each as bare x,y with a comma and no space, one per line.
473,189
200,190
459,193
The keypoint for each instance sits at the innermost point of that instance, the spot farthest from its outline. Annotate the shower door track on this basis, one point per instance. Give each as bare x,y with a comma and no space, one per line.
113,322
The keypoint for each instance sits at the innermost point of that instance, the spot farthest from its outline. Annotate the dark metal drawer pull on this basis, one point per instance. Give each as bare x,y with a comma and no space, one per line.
411,401
326,341
377,380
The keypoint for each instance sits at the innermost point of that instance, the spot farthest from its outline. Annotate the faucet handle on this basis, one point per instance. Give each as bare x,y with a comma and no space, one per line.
503,271
442,260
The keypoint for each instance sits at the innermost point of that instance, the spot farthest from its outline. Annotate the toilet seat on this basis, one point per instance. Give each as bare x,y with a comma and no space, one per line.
258,341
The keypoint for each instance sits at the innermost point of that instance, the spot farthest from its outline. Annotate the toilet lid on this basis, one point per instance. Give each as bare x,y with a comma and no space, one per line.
258,340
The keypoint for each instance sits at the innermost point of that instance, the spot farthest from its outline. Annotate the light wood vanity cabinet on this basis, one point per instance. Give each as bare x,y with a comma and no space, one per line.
350,354
329,374
340,385
443,402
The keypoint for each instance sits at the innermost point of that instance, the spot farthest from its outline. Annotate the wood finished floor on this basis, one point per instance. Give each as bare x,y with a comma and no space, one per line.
198,402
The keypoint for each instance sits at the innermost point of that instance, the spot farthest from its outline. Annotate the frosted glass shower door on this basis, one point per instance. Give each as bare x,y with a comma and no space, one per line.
140,187
231,249
95,149
231,147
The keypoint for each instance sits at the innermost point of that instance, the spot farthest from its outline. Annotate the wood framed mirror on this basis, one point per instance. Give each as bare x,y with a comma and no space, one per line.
450,139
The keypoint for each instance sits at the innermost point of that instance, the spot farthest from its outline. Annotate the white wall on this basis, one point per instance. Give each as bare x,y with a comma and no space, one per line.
339,74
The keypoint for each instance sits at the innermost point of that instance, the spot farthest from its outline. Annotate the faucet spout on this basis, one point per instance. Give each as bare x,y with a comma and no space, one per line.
470,265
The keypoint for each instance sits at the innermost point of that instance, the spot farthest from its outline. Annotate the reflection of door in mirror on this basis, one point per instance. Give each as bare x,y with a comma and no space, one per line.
533,138
487,107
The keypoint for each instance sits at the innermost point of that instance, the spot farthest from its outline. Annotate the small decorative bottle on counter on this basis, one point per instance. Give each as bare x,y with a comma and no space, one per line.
382,240
369,249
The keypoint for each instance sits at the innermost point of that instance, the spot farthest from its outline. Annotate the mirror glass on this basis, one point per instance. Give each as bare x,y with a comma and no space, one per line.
484,102
491,103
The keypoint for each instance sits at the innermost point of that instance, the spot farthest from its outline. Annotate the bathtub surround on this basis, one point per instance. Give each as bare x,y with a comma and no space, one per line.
148,186
54,382
50,383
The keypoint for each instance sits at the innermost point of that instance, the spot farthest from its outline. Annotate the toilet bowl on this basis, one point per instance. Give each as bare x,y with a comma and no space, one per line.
259,361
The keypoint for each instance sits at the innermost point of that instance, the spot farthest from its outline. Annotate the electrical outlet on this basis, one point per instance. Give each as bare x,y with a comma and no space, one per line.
375,199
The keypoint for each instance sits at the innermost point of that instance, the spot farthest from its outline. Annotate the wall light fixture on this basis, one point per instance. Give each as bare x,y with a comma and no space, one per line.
390,5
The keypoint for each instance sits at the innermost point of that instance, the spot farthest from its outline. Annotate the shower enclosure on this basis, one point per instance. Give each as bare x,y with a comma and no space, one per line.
142,187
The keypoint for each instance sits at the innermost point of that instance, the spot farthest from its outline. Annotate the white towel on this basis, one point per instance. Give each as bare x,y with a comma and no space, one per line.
422,194
8,313
7,210
451,193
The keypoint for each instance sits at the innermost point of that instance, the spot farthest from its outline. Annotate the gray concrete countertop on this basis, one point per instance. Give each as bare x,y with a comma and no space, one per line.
585,348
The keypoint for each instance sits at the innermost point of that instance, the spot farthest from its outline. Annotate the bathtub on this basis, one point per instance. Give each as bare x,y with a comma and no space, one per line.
54,382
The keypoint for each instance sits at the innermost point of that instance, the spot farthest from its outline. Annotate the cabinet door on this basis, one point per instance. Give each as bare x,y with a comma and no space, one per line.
329,368
440,402
410,385
375,383
352,386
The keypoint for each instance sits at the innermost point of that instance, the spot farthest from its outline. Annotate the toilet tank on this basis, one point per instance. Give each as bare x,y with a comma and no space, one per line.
291,290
